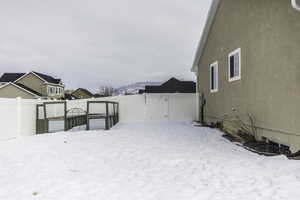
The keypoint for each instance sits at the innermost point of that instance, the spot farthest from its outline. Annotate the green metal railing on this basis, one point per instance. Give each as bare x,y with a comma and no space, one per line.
42,119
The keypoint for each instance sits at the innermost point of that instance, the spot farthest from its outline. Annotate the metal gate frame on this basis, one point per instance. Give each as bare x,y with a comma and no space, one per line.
42,125
110,119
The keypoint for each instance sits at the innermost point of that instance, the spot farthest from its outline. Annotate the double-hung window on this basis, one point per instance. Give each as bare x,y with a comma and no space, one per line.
234,65
214,77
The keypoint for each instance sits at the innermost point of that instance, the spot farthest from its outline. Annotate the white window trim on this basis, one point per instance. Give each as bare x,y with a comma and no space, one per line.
216,66
236,78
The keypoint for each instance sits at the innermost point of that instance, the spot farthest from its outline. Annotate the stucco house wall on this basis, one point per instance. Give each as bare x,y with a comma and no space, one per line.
267,31
34,83
11,91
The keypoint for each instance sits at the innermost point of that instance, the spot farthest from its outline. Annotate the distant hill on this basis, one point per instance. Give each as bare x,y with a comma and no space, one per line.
134,88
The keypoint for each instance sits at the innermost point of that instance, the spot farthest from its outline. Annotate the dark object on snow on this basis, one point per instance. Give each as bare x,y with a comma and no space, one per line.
268,149
172,86
230,137
295,156
246,138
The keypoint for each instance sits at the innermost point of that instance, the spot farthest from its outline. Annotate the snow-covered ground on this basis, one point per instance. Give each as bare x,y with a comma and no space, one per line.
142,161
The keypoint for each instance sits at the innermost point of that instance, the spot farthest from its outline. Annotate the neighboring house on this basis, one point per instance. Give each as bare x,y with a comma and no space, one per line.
248,60
68,96
82,93
173,85
133,88
30,85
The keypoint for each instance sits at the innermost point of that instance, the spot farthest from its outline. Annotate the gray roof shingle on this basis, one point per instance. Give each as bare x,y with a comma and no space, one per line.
12,77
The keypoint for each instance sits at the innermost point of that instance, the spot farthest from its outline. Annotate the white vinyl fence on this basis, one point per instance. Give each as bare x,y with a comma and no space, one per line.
18,116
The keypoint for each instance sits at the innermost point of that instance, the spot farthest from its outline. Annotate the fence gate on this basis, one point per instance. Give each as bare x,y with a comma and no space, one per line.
41,126
50,113
109,112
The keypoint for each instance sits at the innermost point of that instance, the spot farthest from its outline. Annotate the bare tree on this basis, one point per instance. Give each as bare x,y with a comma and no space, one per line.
105,91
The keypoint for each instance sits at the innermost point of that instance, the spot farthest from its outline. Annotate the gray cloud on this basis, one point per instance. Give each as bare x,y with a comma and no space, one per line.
93,42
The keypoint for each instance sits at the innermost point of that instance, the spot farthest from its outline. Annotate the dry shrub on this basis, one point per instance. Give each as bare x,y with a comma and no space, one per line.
244,129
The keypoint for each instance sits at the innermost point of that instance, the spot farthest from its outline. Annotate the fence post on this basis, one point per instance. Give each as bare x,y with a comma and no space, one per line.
19,113
65,116
106,117
118,113
114,115
45,118
87,116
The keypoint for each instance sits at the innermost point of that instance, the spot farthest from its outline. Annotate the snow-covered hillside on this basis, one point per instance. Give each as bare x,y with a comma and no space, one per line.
142,161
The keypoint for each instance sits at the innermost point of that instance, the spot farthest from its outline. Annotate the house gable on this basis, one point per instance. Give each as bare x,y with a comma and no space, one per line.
205,33
34,82
289,6
11,90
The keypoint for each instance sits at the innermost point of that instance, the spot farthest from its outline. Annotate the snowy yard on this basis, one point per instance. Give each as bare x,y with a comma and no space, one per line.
141,161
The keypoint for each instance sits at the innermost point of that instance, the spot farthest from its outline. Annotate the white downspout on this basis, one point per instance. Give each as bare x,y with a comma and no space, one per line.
295,5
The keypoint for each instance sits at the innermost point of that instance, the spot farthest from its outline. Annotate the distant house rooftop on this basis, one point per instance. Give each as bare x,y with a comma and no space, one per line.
12,77
84,90
173,85
14,85
82,93
48,78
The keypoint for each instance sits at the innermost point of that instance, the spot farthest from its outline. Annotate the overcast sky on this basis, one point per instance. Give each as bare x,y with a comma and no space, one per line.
89,43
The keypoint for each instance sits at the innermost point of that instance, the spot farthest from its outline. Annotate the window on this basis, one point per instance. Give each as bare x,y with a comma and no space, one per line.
51,90
214,77
234,65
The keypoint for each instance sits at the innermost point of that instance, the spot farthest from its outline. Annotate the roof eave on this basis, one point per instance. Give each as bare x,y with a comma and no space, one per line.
205,33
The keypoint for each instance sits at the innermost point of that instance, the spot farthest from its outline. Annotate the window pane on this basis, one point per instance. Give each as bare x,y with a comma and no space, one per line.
231,66
212,78
236,65
215,77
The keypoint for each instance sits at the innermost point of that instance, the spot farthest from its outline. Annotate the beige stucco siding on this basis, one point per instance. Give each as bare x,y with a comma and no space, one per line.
267,31
34,83
11,91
